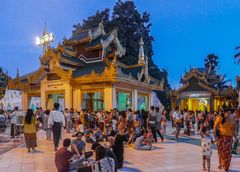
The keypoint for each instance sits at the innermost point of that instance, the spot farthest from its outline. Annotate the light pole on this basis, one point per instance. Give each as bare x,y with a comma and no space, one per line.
45,40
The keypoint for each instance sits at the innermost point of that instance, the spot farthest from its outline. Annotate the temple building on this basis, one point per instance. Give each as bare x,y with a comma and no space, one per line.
199,91
83,72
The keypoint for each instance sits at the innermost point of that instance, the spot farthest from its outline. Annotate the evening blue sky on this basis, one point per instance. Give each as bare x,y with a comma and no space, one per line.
185,31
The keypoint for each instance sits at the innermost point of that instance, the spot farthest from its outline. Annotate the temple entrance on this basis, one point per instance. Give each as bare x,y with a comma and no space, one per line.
35,102
93,101
143,101
195,104
124,100
55,98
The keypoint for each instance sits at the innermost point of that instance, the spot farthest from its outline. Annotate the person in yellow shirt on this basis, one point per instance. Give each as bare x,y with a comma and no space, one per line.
224,132
30,129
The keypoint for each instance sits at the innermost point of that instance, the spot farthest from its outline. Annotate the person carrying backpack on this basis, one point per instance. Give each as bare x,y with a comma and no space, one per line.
152,122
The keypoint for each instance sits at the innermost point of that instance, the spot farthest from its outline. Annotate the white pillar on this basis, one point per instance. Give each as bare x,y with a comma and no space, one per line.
135,99
114,98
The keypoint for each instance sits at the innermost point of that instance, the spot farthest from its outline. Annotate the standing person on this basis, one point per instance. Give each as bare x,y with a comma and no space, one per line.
152,122
118,149
177,117
237,120
224,132
48,129
57,121
158,123
29,129
68,120
129,119
144,118
164,124
13,121
207,141
114,124
186,120
211,119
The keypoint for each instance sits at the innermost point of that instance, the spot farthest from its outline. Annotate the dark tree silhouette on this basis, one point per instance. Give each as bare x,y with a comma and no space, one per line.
211,62
237,56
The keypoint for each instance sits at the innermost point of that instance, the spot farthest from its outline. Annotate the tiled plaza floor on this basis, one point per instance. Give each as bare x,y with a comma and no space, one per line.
166,157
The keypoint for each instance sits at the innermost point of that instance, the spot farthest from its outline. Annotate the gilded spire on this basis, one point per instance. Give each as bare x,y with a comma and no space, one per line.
141,56
17,75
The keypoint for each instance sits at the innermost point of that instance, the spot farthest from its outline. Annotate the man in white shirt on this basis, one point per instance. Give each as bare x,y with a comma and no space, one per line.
13,117
177,117
57,121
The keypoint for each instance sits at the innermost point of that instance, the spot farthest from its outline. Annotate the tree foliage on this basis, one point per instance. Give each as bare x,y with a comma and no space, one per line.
211,62
131,26
237,56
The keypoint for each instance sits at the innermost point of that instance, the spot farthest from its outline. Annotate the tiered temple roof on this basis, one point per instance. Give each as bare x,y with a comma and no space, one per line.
206,79
91,53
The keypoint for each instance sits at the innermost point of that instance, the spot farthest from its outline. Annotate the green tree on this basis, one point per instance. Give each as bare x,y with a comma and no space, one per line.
237,56
221,82
211,62
94,20
132,25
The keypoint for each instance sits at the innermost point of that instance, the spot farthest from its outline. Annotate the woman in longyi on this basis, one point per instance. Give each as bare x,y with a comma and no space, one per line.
30,130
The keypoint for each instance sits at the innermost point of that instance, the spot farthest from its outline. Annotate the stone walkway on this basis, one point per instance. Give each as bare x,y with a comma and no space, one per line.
167,157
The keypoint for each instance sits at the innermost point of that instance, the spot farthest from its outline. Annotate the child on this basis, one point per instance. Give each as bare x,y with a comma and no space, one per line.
148,137
46,127
207,141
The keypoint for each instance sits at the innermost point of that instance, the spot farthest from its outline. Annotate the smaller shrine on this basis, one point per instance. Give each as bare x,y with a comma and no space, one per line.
200,91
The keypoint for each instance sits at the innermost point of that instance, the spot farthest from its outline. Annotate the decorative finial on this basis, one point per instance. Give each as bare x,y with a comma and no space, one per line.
17,75
45,40
141,43
141,55
45,27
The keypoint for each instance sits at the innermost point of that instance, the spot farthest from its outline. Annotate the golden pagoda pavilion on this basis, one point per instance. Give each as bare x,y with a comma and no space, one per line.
199,91
83,72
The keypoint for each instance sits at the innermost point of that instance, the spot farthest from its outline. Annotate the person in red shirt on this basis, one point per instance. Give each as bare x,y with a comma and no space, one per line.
62,156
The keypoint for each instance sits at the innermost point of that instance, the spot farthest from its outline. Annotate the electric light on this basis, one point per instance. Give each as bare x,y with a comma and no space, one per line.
45,40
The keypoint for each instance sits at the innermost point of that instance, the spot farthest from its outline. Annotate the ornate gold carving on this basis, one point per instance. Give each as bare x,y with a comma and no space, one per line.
64,74
36,75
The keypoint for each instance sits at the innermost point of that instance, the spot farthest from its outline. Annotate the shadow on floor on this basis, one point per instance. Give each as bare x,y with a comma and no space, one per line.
129,169
127,162
37,152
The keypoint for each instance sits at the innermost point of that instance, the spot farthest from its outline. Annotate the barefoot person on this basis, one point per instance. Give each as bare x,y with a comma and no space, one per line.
177,117
224,132
29,129
56,120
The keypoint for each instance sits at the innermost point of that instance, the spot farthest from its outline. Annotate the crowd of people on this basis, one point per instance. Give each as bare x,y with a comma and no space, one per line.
108,131
225,127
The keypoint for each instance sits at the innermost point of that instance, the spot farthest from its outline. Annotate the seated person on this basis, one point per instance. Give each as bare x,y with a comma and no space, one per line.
88,137
109,153
78,147
111,132
140,143
80,128
98,134
103,162
148,137
132,135
63,157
